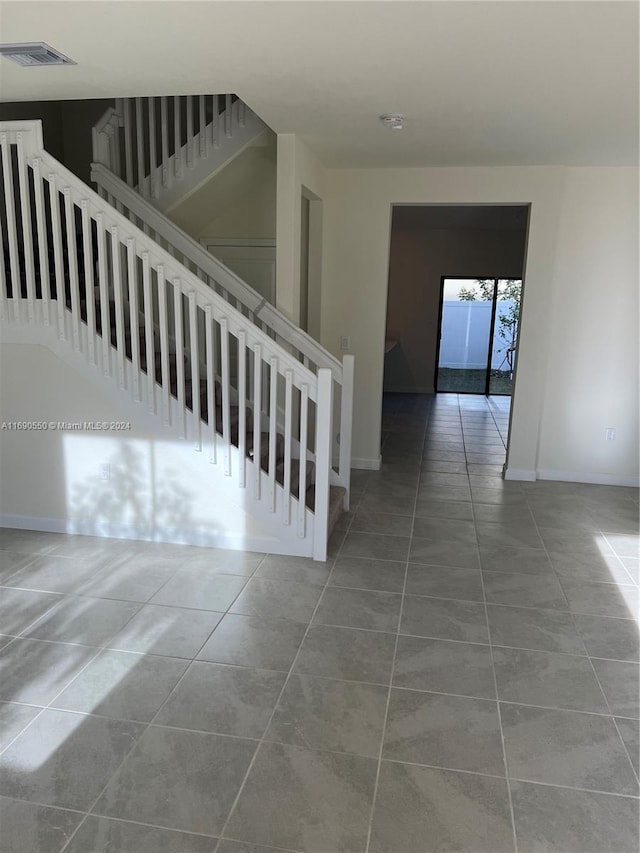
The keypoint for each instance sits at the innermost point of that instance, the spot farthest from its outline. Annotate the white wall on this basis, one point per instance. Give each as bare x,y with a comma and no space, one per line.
355,270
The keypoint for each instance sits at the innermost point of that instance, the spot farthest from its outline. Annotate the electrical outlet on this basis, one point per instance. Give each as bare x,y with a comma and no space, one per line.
345,342
610,434
104,471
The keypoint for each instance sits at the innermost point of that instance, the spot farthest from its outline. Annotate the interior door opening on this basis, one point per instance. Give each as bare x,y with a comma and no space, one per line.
478,327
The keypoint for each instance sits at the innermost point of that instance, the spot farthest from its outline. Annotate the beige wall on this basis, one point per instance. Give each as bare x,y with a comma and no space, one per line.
419,258
581,230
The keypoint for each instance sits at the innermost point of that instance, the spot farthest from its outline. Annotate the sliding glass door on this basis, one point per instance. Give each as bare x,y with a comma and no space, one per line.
479,321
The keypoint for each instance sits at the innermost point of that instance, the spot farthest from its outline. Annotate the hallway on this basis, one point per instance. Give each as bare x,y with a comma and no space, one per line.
461,675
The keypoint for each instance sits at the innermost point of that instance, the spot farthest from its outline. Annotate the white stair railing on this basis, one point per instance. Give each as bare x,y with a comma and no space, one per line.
154,143
234,290
76,263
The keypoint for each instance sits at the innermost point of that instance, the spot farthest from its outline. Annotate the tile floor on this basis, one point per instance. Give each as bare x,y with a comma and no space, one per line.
461,675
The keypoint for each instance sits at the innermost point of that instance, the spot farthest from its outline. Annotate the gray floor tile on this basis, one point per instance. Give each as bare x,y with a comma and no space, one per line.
223,561
632,567
602,599
540,591
27,827
55,574
423,810
77,619
356,608
573,541
69,758
528,628
27,541
445,530
375,546
224,699
547,678
433,478
558,820
509,535
13,719
297,569
255,642
170,631
444,509
200,589
625,545
122,685
20,608
35,672
320,713
364,573
444,619
271,599
630,734
437,553
444,493
388,504
526,561
373,522
76,545
244,847
179,780
497,496
566,748
444,582
444,667
455,732
11,562
347,653
129,582
595,567
621,684
304,799
444,467
617,639
519,515
106,835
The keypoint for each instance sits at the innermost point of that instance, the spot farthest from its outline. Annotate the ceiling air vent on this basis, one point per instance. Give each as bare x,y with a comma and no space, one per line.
34,53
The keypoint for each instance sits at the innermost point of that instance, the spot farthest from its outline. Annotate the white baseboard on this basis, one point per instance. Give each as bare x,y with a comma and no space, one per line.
363,464
198,538
520,474
587,477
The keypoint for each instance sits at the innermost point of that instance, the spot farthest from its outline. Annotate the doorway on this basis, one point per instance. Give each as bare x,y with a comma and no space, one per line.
478,327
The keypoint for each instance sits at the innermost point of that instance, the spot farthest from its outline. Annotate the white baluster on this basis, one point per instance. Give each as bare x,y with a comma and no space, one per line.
103,286
87,256
273,425
56,235
202,138
116,260
12,233
195,369
142,186
190,161
72,256
242,412
27,237
288,412
346,424
302,474
257,419
41,228
153,165
179,348
177,136
164,122
211,384
215,124
324,420
134,318
227,117
150,352
128,138
164,344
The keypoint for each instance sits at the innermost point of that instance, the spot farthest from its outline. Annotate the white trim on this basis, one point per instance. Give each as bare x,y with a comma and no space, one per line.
587,477
520,474
364,464
177,536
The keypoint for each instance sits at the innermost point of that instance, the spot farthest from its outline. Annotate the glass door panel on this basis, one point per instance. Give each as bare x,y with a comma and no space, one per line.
505,336
465,334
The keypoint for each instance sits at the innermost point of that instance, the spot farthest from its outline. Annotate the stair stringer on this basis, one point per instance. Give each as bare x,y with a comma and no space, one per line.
267,531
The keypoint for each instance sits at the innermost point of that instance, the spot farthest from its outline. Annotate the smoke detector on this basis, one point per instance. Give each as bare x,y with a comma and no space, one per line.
393,120
34,53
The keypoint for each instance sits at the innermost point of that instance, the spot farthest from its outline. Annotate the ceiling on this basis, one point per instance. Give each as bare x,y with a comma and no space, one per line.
481,83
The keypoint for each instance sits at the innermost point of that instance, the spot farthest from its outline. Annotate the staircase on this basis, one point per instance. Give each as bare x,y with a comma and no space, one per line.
167,147
187,347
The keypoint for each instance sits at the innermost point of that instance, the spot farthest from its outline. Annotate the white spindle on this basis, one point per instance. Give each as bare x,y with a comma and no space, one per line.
177,136
27,237
324,419
153,178
242,412
215,124
242,113
134,318
227,117
190,161
288,411
195,370
128,141
116,261
142,188
56,234
211,384
273,424
202,136
12,234
72,257
164,123
257,420
346,423
302,473
226,394
89,294
103,289
164,344
179,348
150,353
41,228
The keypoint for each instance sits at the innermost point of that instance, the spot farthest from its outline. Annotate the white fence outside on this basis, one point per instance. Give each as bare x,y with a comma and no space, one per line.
465,335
